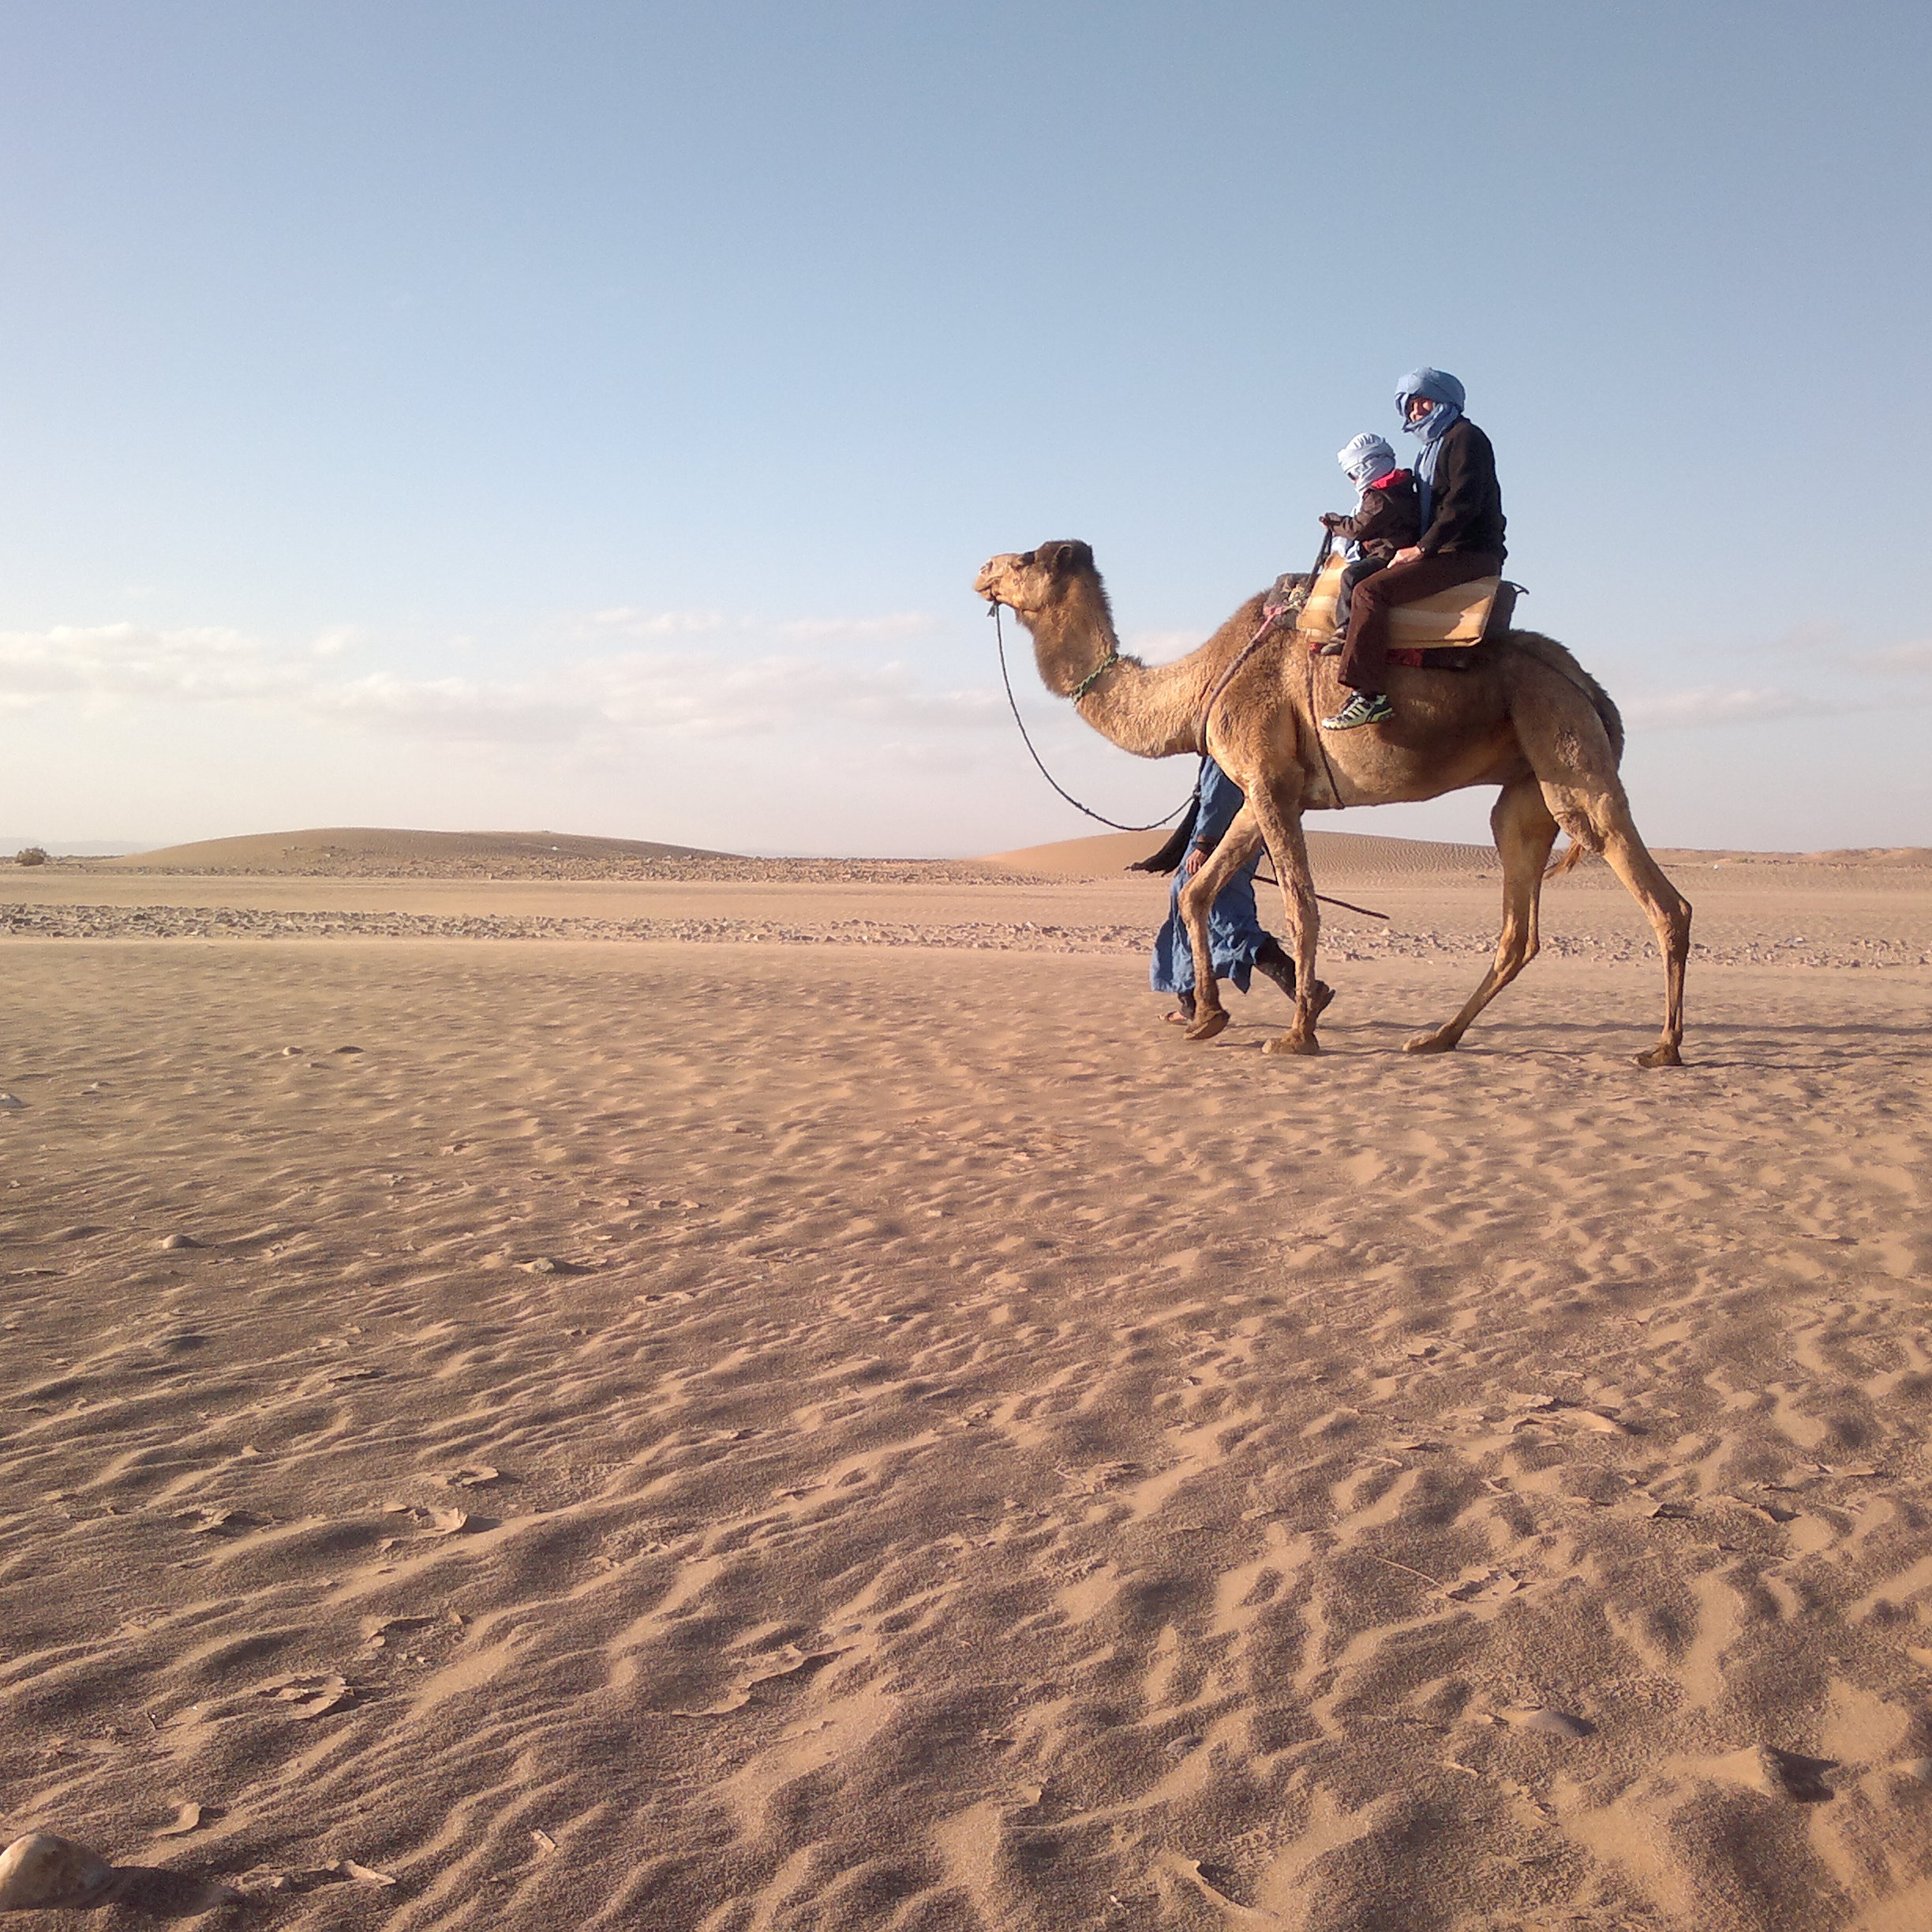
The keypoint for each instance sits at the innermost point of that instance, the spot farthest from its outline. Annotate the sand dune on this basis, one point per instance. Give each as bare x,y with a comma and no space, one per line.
1333,854
297,851
887,1437
1336,855
374,852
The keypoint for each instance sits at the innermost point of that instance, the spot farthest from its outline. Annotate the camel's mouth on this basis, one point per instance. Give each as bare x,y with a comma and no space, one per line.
993,578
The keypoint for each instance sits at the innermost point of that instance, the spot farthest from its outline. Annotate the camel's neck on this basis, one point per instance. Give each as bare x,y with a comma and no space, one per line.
1153,711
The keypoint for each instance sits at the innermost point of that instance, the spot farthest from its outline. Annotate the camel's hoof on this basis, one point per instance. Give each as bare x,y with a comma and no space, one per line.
1287,1043
1438,1041
1208,1025
1664,1055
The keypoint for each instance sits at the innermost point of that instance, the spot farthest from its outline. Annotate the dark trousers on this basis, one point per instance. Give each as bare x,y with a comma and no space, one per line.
1365,655
1352,574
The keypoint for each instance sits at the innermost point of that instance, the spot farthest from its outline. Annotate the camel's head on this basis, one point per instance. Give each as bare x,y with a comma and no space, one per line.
1032,582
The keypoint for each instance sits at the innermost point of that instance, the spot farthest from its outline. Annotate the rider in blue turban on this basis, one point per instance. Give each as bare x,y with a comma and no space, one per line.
1462,539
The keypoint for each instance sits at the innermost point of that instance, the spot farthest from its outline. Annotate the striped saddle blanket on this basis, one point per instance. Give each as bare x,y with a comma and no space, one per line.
1453,620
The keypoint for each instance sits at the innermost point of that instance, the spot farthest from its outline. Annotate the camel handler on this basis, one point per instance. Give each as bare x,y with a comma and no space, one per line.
1238,943
1462,506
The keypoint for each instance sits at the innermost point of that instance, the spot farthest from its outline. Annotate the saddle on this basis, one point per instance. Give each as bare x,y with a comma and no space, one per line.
1437,633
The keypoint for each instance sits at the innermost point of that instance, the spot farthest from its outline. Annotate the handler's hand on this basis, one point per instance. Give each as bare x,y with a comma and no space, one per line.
1196,859
1408,556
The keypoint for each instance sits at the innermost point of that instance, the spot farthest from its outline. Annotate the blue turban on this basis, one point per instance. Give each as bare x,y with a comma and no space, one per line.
1437,386
1366,460
1447,395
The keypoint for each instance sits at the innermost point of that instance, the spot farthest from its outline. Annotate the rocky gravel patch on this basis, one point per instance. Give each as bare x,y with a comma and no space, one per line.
161,922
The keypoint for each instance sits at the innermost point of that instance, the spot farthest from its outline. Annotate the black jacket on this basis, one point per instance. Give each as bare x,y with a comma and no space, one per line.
1390,518
1465,501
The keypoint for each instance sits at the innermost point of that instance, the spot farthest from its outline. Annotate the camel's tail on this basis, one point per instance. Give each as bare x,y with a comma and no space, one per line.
1584,841
1567,860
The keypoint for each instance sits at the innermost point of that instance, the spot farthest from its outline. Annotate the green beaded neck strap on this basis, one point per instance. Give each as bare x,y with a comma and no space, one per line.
1094,676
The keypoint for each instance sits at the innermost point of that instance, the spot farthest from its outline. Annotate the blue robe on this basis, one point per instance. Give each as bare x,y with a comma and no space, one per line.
1234,934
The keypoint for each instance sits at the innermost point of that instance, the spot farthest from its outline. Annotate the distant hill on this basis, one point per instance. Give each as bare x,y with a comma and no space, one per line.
361,846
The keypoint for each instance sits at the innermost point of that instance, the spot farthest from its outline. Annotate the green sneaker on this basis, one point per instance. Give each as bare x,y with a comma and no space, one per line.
1364,708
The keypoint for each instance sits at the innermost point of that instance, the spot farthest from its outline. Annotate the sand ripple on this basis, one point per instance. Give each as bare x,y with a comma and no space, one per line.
971,1460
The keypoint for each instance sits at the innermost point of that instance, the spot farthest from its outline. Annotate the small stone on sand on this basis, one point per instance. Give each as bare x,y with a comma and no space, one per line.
42,1872
179,1240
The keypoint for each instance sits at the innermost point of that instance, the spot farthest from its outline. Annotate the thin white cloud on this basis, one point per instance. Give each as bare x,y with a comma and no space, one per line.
132,660
894,628
624,620
711,696
598,695
1900,660
647,626
461,708
1712,704
1746,705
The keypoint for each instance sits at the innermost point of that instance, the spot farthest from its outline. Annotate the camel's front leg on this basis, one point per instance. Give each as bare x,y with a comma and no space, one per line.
1281,825
1525,832
1240,843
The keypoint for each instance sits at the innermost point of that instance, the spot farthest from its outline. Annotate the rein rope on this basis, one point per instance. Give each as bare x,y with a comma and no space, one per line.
1080,692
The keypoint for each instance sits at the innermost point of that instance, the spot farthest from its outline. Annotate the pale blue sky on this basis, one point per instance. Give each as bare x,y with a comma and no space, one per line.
462,412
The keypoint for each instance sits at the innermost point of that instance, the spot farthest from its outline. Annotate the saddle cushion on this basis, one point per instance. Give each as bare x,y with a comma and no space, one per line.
1457,616
1451,620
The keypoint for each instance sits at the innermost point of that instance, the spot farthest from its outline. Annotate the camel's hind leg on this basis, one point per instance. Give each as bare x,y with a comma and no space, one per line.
1525,830
1669,912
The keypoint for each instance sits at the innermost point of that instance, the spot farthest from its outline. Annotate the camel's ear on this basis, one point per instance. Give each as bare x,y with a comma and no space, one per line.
1061,558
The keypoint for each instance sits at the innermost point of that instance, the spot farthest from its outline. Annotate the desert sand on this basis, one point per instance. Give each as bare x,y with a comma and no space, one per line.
540,1392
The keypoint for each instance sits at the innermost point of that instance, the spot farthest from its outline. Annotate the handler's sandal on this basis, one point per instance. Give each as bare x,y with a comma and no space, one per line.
1364,708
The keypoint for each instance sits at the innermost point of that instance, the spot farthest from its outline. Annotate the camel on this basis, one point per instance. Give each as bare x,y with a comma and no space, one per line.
1524,716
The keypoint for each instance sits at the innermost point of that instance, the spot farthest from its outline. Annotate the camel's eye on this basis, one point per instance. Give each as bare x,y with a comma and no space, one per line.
1029,558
